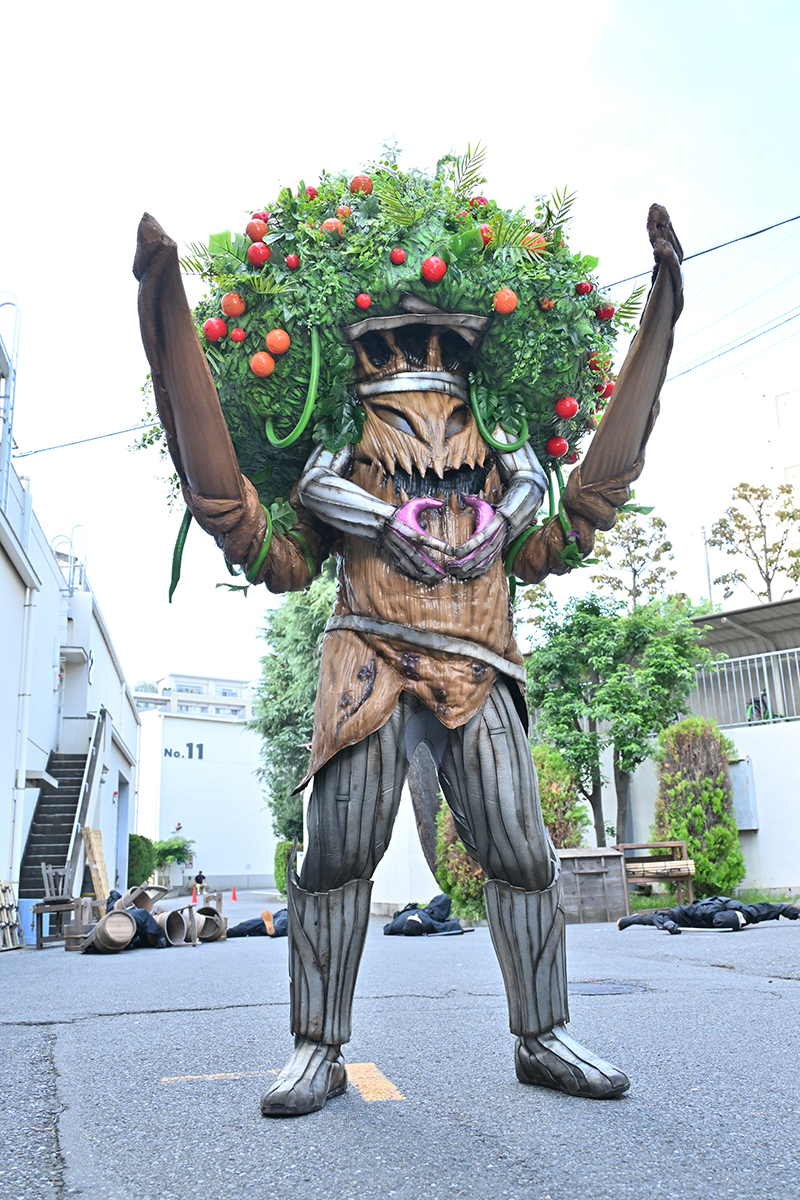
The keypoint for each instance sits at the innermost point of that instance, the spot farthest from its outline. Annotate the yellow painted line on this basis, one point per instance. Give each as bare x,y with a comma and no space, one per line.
372,1083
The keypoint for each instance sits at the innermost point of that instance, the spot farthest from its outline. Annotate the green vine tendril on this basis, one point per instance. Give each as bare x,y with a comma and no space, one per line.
311,399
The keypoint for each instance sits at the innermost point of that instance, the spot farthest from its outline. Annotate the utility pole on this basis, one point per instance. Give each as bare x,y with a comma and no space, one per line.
708,568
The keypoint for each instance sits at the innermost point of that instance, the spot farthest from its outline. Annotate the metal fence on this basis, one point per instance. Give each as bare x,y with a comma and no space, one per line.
757,689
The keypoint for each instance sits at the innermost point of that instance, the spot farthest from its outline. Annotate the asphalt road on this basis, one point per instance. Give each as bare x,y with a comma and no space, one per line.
138,1076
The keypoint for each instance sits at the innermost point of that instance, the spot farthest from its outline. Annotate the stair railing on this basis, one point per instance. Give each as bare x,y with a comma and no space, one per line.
84,796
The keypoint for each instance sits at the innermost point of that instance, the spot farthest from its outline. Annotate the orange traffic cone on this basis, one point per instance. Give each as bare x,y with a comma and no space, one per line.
194,895
233,893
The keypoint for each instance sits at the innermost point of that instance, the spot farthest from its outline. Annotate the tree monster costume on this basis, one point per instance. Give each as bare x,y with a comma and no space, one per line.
411,427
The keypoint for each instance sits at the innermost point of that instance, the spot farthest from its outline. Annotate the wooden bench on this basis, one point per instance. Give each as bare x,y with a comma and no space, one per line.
671,866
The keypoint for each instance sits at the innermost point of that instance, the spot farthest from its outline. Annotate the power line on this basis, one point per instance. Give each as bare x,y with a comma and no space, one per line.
700,253
80,442
730,349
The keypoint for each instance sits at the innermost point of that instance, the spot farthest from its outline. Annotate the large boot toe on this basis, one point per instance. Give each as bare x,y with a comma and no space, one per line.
313,1075
556,1060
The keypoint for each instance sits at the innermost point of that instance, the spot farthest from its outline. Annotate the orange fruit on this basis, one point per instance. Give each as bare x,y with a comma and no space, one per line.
257,230
233,305
343,210
505,301
361,183
534,242
333,225
278,341
262,364
545,304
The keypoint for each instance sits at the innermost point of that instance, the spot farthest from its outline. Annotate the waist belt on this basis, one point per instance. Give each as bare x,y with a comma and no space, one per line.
427,641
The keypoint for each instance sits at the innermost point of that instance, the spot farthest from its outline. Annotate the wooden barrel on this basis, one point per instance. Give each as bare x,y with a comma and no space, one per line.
114,932
213,926
200,922
174,927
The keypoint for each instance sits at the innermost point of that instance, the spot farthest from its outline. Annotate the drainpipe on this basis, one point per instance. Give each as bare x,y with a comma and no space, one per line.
21,750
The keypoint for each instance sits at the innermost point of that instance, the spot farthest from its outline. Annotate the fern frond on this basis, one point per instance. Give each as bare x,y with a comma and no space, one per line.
630,307
265,284
394,204
197,261
558,207
467,172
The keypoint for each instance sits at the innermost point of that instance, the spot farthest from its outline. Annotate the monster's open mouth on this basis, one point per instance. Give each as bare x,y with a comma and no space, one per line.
465,481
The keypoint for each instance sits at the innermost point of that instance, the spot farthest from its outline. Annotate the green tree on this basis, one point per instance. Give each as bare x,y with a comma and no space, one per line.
603,677
761,526
634,555
176,849
695,803
284,705
563,809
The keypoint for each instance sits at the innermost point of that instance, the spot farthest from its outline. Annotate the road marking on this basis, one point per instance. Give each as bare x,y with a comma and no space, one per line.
372,1083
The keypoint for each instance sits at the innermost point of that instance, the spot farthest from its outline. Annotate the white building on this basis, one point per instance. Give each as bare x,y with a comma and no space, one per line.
198,764
68,723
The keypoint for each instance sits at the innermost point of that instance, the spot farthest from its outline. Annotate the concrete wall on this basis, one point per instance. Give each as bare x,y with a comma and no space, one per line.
201,771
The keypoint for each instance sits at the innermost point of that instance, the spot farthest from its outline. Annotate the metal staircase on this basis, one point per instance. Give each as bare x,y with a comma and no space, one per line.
50,833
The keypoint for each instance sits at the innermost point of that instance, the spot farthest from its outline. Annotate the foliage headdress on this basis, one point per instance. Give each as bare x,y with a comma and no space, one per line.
322,257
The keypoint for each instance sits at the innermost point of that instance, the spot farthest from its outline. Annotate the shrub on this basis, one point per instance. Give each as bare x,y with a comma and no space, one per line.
564,814
694,803
282,852
458,875
141,859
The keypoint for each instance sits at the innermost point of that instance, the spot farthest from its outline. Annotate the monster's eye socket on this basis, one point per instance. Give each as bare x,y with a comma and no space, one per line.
375,349
456,421
394,418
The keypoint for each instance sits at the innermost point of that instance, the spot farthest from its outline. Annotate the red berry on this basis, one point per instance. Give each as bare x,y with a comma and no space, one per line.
398,256
572,458
595,363
363,300
535,243
607,390
557,447
463,215
566,407
258,253
292,261
605,312
238,335
214,328
487,233
584,287
312,193
343,211
261,216
433,269
545,304
257,230
478,200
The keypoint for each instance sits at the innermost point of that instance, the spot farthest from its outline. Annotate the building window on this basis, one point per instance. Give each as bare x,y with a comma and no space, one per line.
227,691
193,689
184,708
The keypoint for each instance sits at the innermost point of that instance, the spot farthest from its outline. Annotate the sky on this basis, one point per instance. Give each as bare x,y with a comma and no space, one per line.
198,113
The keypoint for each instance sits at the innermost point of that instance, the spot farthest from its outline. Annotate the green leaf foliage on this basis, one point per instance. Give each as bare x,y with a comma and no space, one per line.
695,805
284,702
601,676
282,851
141,859
528,359
176,849
563,810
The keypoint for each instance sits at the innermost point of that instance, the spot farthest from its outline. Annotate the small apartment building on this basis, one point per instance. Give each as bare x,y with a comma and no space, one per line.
198,764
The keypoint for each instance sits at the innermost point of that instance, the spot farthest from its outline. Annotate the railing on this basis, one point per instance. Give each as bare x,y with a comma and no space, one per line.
756,689
82,807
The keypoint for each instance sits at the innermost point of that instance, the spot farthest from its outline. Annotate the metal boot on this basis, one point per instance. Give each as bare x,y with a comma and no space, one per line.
326,937
527,930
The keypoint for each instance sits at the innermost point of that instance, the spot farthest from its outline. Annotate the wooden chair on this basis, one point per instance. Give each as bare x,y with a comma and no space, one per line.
671,866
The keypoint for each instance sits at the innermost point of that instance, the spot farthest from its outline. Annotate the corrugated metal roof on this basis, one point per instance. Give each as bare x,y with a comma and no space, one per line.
755,630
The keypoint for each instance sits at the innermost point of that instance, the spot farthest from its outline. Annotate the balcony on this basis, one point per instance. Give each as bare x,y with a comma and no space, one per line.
755,689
